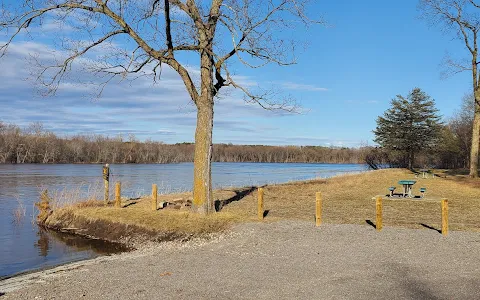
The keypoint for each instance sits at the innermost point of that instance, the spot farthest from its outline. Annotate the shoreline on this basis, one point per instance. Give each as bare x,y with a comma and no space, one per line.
137,237
185,162
99,237
19,280
31,277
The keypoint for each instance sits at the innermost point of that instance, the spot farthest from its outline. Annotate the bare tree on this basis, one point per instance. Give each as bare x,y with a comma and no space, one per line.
462,18
460,124
141,37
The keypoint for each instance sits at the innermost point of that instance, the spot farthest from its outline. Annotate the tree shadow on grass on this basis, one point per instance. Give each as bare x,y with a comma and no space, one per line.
129,204
239,195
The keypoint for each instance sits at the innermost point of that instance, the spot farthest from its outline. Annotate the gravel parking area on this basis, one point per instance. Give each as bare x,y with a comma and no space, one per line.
281,260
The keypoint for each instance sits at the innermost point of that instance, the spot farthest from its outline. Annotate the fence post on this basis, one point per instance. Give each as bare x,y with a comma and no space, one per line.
154,196
444,217
106,179
318,209
379,207
260,204
118,195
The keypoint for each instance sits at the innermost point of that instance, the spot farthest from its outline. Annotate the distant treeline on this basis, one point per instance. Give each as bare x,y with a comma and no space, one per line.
34,144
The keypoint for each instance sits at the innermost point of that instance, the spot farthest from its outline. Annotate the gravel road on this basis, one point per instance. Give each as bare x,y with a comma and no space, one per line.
283,260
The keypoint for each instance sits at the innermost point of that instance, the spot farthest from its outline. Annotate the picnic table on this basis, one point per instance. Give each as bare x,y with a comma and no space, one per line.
425,172
407,187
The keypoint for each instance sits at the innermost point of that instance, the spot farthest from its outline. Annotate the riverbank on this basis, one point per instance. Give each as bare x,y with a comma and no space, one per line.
347,199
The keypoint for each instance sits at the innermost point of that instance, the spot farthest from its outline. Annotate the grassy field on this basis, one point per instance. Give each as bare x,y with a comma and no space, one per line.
346,199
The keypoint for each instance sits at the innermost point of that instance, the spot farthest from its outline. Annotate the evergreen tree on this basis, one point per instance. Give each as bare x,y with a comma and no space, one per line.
411,125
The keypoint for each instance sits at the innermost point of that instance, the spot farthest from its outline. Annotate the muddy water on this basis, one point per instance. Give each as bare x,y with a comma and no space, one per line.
25,247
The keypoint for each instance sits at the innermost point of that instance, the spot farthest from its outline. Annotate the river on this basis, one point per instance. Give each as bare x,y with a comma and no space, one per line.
25,247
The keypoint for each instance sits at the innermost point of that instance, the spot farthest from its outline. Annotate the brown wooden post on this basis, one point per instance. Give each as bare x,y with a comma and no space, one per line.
260,204
118,195
379,224
444,217
318,209
106,180
154,196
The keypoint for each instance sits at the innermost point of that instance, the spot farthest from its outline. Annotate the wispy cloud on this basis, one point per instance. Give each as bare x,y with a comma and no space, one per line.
303,87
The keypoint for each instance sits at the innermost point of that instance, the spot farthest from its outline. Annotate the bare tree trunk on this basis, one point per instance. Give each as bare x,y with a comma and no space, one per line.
202,174
476,116
202,178
475,142
411,158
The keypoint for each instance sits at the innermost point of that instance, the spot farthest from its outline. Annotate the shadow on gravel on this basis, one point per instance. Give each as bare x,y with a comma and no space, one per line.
239,195
1,294
413,287
430,227
369,222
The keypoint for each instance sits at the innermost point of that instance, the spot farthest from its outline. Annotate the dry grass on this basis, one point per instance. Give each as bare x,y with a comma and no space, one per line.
19,212
139,213
72,195
181,222
346,199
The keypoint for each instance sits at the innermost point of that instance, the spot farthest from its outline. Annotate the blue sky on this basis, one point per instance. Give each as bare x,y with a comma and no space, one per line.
370,52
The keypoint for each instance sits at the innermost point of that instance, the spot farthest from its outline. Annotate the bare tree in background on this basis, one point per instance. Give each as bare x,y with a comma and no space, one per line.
159,30
460,125
461,17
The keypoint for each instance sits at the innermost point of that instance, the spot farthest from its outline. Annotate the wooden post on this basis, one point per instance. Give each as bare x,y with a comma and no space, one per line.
379,224
154,196
260,203
118,195
444,217
106,179
318,209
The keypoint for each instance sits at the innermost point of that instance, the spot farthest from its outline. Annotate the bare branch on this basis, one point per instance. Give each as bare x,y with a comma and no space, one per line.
24,20
264,97
453,67
474,4
167,28
251,25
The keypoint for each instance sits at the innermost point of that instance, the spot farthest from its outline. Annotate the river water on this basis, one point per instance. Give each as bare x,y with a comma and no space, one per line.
25,247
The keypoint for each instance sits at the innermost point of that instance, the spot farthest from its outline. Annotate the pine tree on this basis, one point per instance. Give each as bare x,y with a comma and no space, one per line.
411,125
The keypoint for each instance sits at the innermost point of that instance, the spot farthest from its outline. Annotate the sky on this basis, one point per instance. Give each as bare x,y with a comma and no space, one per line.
344,78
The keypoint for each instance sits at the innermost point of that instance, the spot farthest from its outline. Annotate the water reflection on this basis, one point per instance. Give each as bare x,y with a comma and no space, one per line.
42,243
56,248
79,243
